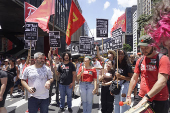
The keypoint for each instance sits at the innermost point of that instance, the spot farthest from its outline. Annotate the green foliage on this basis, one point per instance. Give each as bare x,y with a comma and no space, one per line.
127,47
143,20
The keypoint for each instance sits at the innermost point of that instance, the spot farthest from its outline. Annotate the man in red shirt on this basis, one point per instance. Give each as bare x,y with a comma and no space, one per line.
153,86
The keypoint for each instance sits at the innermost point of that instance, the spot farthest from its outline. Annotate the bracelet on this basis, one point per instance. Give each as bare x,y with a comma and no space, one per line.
146,95
129,97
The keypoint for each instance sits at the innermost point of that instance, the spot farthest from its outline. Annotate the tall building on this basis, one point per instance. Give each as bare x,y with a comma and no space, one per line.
129,25
147,6
139,8
85,30
135,39
129,18
13,30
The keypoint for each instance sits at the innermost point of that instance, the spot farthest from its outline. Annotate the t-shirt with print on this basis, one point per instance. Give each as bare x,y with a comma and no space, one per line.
149,76
66,73
88,75
124,71
37,77
97,65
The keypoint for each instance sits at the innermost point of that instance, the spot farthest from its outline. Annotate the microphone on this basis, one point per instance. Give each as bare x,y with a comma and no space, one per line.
121,103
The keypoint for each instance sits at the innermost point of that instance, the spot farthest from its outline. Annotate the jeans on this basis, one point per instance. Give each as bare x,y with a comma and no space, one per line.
65,90
106,100
86,89
56,91
118,98
35,103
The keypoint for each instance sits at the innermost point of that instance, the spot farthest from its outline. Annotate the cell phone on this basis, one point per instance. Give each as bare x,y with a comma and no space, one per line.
34,89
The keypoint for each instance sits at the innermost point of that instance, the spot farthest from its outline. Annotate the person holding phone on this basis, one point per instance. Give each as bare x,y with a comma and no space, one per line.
39,80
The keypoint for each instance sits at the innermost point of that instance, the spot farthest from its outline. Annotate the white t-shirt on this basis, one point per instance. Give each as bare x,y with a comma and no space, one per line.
37,77
96,64
21,66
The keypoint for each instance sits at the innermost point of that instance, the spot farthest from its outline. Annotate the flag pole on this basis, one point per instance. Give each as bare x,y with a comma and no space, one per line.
90,31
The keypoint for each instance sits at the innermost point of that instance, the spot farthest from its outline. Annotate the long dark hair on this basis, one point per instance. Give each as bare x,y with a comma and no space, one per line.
125,62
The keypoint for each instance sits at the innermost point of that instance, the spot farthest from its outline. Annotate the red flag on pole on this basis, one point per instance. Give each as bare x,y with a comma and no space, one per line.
29,9
75,21
42,14
120,23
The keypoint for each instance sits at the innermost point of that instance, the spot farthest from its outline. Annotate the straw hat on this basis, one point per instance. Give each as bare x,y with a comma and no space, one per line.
112,52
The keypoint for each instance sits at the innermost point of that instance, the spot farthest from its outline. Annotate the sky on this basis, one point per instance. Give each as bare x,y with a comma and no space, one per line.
103,9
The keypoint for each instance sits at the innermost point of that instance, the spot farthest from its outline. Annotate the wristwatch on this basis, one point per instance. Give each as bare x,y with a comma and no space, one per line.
146,95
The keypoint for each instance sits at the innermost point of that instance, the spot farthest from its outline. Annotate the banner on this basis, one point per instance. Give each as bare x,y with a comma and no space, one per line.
117,39
85,45
31,31
54,39
27,44
102,28
74,47
120,23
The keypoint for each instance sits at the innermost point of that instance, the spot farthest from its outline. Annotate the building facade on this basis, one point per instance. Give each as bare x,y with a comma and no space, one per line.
147,7
13,30
135,39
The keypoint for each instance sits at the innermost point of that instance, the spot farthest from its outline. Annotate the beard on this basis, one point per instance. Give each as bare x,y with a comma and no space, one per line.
41,63
151,51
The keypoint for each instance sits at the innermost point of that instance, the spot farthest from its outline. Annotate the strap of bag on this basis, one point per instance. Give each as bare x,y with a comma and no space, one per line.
82,76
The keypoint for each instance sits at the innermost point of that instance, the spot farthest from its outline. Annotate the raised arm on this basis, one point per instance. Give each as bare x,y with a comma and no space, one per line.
98,54
49,54
28,57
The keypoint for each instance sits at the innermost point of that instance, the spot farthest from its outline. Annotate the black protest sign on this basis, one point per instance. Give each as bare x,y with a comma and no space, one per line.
74,47
102,28
31,31
85,45
27,44
117,39
54,39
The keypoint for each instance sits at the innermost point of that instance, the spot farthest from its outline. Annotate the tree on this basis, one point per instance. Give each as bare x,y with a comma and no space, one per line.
127,47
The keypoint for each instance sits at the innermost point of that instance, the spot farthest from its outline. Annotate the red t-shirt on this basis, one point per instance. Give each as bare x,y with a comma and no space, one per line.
149,76
88,74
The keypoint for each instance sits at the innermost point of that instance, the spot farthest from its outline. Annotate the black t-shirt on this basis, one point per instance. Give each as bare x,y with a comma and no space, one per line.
66,75
124,71
3,74
12,71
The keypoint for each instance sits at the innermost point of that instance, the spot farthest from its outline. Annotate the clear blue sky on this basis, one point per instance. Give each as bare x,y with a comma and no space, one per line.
106,9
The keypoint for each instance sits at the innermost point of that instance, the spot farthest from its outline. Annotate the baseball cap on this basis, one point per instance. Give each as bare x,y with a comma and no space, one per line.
6,60
145,40
22,58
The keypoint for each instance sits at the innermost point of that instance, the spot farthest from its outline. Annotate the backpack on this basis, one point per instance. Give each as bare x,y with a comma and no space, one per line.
159,56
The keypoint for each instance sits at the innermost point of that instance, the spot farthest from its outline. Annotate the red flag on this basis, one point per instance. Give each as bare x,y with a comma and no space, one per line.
75,21
29,9
42,14
47,8
120,23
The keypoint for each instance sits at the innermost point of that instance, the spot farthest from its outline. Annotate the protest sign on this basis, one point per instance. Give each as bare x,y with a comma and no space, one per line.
102,28
54,39
31,31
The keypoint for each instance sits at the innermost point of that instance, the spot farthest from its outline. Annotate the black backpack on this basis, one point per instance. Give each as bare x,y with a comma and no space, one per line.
159,56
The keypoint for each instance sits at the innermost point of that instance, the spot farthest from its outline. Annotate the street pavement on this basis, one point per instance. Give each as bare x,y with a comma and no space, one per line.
19,105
